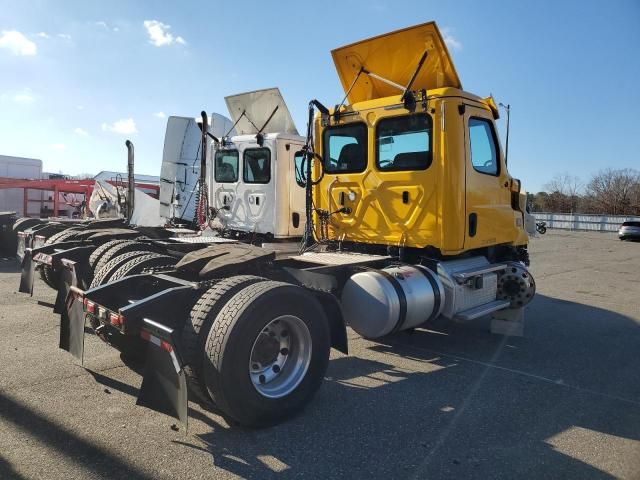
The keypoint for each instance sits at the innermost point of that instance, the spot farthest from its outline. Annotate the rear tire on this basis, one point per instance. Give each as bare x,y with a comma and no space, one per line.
250,319
22,224
46,272
61,236
138,264
103,275
197,327
99,252
120,248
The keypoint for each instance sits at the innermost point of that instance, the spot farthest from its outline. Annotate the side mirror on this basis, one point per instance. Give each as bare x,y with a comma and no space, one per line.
299,164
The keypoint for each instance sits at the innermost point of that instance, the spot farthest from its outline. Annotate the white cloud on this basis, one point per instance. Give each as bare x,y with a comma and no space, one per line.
160,115
105,25
159,34
81,131
58,146
452,42
124,126
17,43
24,98
43,35
64,36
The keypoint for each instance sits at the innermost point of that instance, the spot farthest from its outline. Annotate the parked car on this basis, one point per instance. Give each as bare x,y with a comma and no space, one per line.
629,231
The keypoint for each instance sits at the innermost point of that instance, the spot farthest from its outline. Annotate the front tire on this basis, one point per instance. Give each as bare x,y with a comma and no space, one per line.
267,353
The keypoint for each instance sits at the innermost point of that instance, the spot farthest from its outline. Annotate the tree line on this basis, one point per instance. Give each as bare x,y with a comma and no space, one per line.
608,192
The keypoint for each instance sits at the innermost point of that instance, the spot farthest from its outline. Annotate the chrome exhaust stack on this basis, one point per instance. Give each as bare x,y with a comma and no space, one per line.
131,185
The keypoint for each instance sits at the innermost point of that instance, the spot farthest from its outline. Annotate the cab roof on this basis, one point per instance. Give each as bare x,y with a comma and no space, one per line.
394,56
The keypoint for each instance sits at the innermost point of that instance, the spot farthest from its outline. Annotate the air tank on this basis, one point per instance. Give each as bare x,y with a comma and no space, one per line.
379,302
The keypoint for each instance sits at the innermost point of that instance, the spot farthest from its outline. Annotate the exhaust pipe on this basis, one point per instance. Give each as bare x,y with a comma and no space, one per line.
203,149
131,186
203,192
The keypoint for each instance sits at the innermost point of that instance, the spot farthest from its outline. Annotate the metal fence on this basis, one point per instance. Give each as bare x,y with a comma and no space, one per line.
579,221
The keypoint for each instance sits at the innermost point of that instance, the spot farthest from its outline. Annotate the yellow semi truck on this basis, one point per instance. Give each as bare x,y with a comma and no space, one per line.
411,215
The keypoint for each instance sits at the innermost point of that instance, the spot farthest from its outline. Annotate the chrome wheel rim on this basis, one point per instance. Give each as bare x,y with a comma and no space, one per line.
280,356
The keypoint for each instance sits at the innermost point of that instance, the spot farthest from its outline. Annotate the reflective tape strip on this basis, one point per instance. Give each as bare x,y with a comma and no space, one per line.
158,343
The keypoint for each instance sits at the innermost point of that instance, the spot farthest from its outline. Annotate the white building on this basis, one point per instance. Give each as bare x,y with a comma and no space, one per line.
12,200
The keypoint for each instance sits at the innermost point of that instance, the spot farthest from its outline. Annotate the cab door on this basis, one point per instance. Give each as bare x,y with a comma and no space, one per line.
226,169
490,217
256,191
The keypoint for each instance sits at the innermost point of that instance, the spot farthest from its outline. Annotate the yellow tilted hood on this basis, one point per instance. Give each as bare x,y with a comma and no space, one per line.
394,56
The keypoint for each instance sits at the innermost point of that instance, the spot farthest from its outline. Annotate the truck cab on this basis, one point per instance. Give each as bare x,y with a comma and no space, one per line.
417,169
250,165
253,184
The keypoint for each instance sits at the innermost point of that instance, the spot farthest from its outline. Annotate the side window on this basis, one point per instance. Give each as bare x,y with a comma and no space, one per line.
300,167
257,165
225,169
404,143
345,148
484,154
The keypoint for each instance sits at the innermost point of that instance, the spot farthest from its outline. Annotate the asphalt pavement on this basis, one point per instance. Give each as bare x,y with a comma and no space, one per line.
449,402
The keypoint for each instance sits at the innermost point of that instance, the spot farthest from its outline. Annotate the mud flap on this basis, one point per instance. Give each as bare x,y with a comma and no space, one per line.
22,245
28,270
69,273
72,322
67,279
164,385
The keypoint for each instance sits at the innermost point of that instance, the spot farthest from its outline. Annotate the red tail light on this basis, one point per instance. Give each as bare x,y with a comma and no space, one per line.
116,319
89,306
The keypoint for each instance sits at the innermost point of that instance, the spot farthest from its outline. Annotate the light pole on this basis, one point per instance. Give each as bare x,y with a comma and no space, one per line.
507,107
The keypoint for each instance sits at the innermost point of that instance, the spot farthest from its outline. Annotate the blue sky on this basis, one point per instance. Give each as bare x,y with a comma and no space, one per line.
79,77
